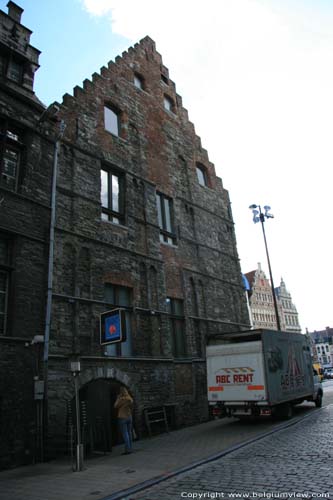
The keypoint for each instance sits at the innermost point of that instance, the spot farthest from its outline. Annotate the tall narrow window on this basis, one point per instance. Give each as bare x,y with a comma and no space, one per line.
112,196
202,175
15,71
10,157
169,104
138,81
165,219
120,296
112,120
4,283
177,325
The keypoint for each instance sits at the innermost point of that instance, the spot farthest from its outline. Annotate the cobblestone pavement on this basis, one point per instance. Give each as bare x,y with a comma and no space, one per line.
163,456
296,462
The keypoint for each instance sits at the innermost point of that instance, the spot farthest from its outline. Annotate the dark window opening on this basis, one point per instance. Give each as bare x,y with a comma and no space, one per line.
120,296
165,219
11,148
15,71
175,308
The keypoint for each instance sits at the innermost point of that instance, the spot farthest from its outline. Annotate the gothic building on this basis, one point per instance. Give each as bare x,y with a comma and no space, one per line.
25,181
262,309
109,201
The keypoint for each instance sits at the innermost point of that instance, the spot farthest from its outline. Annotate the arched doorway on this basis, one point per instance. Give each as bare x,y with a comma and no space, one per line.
98,416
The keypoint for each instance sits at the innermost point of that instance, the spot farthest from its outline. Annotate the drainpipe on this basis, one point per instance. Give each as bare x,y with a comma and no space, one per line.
50,281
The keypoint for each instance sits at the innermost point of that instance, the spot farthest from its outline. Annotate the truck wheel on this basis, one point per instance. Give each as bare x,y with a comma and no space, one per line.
319,400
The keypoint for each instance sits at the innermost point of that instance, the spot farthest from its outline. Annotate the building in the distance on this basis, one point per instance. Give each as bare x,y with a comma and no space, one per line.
322,345
113,205
262,304
288,309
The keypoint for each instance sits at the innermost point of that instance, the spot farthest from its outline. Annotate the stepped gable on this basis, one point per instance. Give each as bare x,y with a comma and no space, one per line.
137,59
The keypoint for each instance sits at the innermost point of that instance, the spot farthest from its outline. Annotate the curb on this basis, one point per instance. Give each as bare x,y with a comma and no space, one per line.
122,494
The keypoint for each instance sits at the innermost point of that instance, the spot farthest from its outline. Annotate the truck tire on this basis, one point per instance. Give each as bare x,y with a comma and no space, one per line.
319,400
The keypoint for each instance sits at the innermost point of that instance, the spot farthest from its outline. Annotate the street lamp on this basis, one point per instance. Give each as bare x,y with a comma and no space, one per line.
75,367
259,216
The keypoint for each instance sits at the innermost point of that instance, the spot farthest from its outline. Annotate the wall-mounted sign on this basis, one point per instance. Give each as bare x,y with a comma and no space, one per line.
113,326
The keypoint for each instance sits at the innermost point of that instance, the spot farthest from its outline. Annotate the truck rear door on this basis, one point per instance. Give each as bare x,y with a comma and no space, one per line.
235,372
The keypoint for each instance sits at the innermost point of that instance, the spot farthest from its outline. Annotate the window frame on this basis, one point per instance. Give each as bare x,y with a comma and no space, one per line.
165,215
11,139
116,113
121,349
15,68
137,78
169,104
109,212
177,326
202,175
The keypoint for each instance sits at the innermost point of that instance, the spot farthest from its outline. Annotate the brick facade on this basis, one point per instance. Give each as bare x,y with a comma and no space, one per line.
175,292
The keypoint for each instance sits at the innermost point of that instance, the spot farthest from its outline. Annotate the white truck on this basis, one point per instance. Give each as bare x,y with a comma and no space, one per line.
260,372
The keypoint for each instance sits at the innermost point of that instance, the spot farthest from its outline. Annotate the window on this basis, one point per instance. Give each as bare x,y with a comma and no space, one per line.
168,104
15,72
10,159
138,81
165,219
202,175
112,120
177,325
120,296
164,79
4,283
112,196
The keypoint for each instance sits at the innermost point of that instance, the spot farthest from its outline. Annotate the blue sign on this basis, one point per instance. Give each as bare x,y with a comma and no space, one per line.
112,326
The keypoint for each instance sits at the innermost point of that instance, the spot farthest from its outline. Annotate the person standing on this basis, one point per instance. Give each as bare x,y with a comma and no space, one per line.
124,406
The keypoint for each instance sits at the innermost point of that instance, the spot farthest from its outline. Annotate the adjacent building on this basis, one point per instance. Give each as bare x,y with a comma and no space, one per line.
109,201
25,193
262,309
322,345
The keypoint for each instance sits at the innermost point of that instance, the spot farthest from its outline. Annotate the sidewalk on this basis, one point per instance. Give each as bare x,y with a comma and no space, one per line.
154,457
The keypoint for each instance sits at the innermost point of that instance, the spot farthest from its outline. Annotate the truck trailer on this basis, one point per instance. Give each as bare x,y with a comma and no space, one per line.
260,372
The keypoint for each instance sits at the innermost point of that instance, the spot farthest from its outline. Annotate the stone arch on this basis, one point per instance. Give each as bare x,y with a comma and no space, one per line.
98,389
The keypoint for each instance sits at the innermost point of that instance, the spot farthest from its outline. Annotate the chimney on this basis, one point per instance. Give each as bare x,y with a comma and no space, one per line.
14,11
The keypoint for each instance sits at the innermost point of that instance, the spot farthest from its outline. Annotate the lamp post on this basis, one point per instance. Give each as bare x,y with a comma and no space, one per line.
75,368
259,216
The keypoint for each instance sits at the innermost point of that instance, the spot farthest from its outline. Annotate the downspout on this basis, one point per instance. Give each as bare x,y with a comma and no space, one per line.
50,281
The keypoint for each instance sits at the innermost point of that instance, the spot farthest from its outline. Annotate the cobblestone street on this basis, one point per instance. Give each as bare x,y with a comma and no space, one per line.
296,462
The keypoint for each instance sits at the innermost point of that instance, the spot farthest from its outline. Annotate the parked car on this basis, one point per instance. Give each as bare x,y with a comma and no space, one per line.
328,373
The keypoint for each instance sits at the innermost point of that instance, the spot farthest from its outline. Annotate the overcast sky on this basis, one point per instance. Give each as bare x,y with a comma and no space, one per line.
257,79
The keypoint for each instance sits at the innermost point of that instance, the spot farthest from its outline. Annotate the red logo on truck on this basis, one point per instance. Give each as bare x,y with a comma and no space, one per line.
239,375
